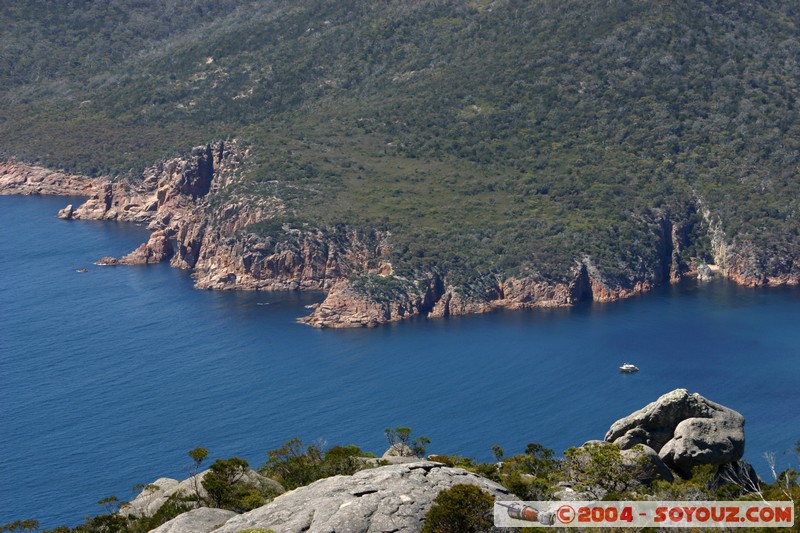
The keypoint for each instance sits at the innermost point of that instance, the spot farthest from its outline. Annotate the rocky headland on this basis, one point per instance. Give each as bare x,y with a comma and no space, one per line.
202,220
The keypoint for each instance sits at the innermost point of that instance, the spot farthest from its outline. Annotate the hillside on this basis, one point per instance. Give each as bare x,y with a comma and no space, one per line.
488,153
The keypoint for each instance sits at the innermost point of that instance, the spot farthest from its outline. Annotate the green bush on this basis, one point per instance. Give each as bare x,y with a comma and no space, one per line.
460,509
599,470
295,464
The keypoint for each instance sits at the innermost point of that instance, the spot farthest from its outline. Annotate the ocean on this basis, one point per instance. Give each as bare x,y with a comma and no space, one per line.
109,377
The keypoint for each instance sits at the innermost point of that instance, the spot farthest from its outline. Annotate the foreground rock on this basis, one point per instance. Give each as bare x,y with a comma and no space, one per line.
202,520
390,498
150,500
685,429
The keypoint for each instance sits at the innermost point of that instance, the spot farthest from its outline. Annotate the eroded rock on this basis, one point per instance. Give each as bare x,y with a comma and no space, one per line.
685,429
66,213
156,250
390,498
202,520
704,441
21,178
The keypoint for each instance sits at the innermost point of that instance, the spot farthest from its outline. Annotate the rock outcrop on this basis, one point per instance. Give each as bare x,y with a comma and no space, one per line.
347,306
66,213
704,272
202,520
390,498
398,450
151,498
156,250
685,429
20,178
154,495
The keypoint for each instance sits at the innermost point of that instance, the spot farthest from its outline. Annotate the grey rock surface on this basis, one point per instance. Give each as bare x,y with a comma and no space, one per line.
390,498
151,498
398,450
704,441
685,429
704,272
202,520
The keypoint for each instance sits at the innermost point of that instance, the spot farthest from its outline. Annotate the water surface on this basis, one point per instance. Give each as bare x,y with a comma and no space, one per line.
108,378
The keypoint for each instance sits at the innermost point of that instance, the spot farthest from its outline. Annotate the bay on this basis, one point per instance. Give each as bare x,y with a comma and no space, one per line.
109,377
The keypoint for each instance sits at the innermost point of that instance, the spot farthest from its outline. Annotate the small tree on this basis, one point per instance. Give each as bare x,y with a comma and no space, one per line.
110,504
498,452
419,445
460,509
198,455
221,479
399,437
21,525
530,475
293,466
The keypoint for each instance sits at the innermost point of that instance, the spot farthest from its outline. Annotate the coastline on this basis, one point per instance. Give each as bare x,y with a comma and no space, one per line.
199,222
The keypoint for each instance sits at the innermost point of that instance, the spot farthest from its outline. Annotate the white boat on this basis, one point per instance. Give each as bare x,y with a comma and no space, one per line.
629,368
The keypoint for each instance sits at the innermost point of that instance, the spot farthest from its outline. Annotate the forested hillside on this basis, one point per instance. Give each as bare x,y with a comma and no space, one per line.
488,138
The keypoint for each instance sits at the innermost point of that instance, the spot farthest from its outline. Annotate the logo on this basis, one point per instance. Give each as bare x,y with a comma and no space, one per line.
565,514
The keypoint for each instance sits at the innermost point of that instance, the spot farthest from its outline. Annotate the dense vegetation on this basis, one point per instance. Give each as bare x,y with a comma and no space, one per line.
498,136
596,471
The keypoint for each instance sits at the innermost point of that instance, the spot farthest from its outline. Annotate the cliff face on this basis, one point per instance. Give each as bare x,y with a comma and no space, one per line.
200,221
350,303
747,263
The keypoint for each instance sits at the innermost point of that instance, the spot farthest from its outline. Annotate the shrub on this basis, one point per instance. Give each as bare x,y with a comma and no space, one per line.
460,509
294,465
599,469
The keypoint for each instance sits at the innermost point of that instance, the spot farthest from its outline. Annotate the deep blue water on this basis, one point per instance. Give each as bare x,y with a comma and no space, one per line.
108,378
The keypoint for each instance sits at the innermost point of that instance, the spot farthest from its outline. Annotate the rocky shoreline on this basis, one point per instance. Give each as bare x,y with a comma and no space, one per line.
200,221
